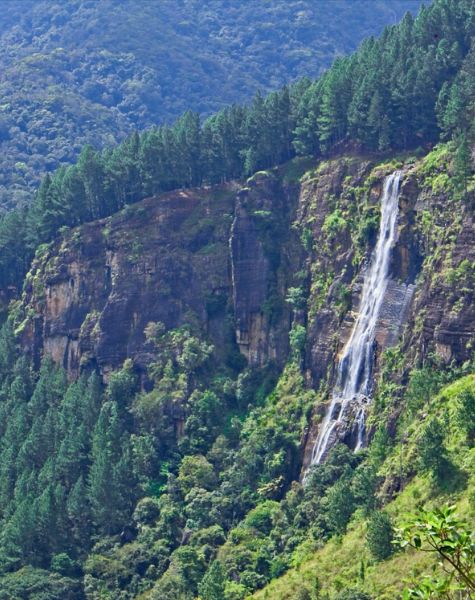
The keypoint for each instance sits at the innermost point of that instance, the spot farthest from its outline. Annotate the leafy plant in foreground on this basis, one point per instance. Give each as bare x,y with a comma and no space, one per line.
440,532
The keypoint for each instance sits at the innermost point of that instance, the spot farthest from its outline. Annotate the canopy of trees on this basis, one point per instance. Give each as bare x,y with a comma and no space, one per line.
406,89
91,72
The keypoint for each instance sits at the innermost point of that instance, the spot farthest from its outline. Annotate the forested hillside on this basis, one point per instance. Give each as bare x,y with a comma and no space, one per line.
82,72
403,91
174,311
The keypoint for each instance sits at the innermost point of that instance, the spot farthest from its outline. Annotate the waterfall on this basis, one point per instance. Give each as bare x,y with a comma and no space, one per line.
354,372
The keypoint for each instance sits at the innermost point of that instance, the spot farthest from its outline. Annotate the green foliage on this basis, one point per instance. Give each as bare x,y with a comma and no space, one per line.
440,531
334,223
465,414
297,337
72,475
423,386
306,238
341,505
62,564
379,535
195,471
111,485
261,517
37,584
296,297
212,585
433,455
100,79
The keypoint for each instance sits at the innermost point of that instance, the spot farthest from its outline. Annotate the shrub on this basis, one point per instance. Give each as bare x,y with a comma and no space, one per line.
297,337
433,457
334,223
296,297
261,517
379,536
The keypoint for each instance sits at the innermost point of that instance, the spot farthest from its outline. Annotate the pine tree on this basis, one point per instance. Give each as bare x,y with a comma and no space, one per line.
452,119
92,176
212,584
78,512
433,455
335,101
110,470
380,535
187,131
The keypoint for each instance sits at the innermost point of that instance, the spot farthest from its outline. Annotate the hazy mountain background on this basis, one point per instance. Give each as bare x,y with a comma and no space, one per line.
85,71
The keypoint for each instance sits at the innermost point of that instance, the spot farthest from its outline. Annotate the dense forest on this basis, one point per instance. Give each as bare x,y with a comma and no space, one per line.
92,72
404,90
100,498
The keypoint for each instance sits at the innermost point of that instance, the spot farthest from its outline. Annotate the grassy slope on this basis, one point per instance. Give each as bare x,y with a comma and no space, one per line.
338,564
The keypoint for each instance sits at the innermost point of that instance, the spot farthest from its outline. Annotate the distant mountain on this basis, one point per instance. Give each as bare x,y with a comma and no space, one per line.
86,71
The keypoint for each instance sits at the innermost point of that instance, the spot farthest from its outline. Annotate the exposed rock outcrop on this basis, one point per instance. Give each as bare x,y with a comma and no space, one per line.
223,260
207,258
94,291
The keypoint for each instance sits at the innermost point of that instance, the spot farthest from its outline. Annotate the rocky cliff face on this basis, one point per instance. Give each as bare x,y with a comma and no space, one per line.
264,255
245,264
203,258
442,319
91,294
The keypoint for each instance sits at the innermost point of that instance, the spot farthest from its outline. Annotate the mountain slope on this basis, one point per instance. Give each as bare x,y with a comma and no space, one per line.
210,457
92,72
166,365
334,566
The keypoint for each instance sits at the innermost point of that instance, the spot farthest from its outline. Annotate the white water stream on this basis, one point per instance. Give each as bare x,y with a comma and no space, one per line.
354,375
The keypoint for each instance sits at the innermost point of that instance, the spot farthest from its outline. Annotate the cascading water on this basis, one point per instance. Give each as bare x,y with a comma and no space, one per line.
354,373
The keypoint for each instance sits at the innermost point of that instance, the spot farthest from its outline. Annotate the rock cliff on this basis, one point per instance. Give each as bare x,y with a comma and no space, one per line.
209,258
244,264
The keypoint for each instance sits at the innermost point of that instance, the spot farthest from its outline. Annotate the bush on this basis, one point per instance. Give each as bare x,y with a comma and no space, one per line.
379,536
334,223
433,457
297,339
64,565
261,517
195,471
296,297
